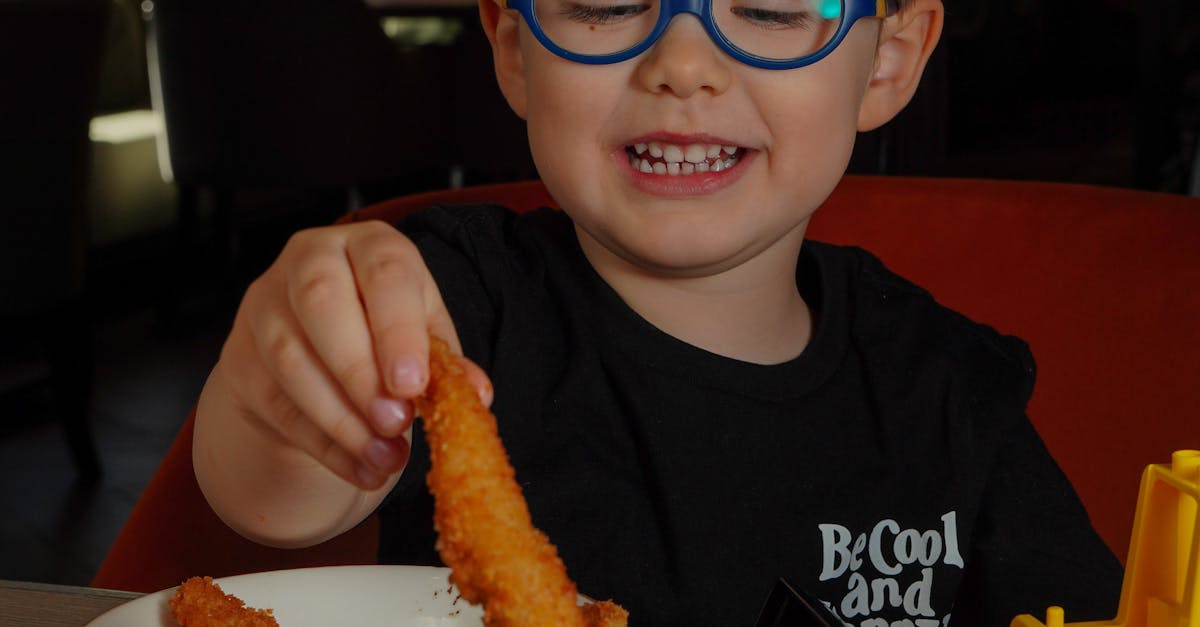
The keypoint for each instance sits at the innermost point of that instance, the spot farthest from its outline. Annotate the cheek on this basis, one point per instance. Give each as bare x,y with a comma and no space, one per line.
556,128
814,121
811,138
569,108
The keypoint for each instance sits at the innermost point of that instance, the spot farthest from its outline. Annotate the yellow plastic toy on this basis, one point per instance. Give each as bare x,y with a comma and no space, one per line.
1161,586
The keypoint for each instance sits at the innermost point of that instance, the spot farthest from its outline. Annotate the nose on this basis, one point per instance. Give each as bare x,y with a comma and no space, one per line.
684,61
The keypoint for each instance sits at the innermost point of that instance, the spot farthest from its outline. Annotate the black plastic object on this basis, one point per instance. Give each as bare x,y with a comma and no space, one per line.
787,606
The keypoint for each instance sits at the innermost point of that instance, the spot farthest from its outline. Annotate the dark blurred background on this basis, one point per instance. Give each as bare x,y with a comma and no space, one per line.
156,154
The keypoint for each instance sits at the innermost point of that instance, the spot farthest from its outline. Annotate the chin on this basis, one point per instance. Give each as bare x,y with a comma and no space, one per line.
687,259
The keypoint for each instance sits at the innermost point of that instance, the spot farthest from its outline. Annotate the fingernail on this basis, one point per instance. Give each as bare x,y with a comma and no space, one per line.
368,477
389,415
385,455
407,375
486,394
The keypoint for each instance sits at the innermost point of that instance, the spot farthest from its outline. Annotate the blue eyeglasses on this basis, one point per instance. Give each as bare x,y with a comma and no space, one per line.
769,34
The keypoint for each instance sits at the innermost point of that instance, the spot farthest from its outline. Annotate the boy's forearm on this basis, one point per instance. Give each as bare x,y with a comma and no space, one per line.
265,489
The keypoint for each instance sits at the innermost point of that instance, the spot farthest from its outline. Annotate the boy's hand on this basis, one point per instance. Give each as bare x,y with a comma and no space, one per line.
330,345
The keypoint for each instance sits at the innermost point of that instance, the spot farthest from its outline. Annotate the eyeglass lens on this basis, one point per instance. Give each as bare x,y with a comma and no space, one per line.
772,29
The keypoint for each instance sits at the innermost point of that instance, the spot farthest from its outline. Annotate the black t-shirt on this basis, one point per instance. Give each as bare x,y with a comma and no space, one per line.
888,470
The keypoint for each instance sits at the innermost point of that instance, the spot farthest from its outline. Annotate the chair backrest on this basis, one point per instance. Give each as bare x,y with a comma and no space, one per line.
520,196
287,93
1099,281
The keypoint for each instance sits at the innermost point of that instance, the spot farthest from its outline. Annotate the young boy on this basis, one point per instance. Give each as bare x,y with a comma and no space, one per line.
697,401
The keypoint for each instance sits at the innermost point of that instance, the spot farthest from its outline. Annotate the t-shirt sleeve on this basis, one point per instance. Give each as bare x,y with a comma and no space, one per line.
1034,545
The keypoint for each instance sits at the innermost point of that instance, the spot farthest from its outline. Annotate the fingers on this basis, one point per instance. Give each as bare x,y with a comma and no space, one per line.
302,403
479,379
396,297
323,294
340,326
266,406
403,306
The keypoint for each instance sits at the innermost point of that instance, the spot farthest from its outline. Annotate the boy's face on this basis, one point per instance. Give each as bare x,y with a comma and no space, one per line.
594,129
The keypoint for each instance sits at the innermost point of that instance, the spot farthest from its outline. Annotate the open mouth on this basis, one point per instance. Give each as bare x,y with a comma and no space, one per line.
682,160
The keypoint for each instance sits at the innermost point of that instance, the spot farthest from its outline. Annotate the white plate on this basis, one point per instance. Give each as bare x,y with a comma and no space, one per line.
362,596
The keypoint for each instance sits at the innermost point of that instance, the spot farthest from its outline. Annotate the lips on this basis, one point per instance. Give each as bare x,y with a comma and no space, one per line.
671,159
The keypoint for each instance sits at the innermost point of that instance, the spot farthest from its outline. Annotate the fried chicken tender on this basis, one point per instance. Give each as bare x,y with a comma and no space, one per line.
605,614
200,602
486,536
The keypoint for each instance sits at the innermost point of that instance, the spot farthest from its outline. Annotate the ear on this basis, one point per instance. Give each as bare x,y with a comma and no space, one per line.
502,27
906,40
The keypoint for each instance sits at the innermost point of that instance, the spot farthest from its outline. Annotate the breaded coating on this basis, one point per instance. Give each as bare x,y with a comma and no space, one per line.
485,533
605,614
200,602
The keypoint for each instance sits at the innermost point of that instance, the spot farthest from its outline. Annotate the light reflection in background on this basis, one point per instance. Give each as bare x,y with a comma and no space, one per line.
410,32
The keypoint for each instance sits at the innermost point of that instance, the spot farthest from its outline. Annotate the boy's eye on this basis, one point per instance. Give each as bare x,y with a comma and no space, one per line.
770,19
601,14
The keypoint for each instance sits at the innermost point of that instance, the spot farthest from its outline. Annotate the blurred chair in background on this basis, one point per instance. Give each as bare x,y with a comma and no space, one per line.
304,97
485,142
50,54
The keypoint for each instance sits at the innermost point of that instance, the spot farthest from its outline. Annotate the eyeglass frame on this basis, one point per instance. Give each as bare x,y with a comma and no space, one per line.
702,9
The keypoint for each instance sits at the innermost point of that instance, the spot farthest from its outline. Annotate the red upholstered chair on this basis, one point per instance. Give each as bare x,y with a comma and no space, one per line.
1101,282
172,534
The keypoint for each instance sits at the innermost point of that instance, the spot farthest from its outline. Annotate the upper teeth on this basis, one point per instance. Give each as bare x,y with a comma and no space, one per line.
660,158
691,153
